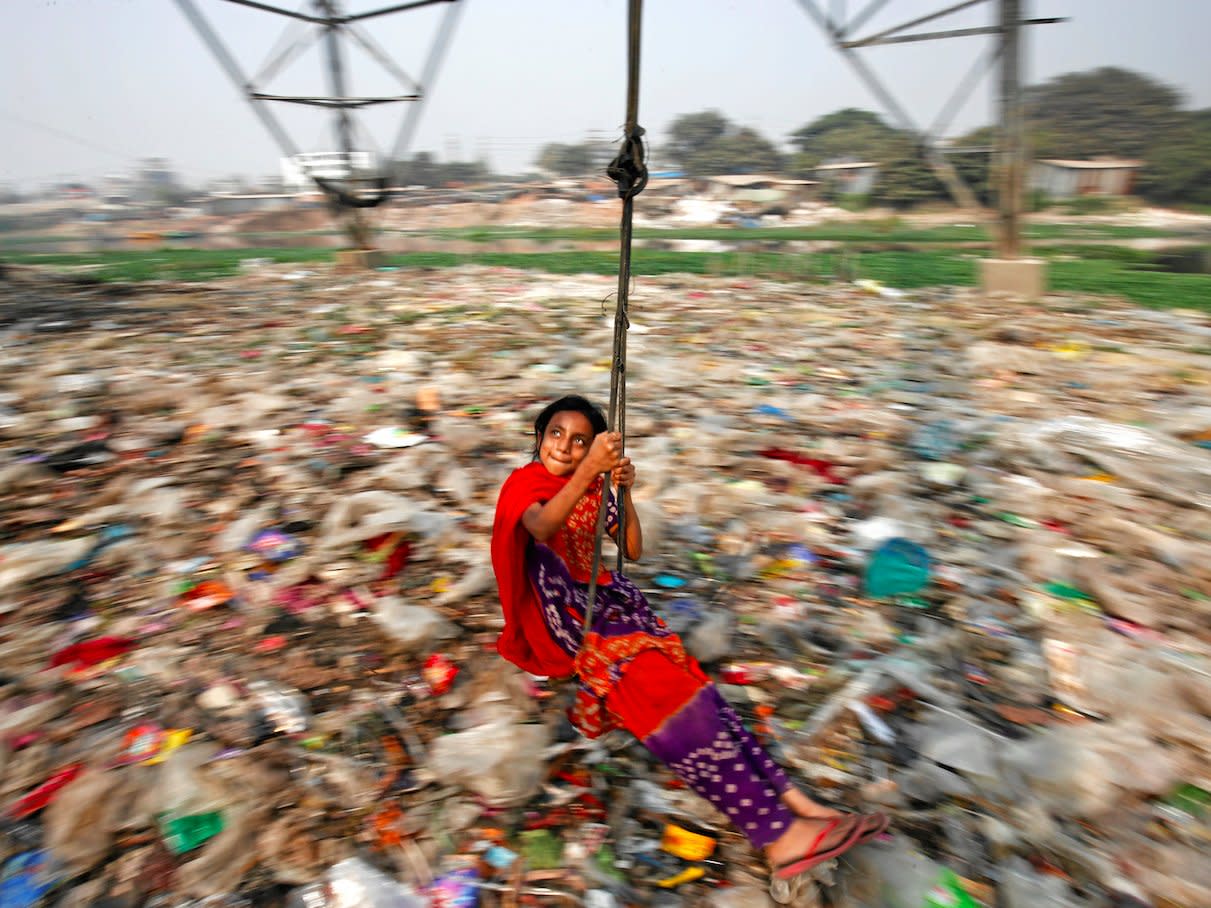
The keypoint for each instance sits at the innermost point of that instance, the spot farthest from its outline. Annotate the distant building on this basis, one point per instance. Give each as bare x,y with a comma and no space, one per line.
298,171
849,177
117,188
1062,179
155,181
243,203
761,189
76,191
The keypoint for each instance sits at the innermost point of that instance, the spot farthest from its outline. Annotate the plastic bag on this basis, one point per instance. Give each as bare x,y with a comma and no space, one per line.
501,761
896,568
959,744
413,626
25,879
353,883
1147,460
711,638
81,822
284,708
365,514
1022,887
223,860
891,876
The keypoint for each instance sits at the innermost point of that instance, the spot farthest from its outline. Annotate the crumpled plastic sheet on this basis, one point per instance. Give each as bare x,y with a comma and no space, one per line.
352,883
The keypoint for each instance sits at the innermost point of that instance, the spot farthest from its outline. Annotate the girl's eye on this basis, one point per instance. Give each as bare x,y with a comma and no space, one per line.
580,442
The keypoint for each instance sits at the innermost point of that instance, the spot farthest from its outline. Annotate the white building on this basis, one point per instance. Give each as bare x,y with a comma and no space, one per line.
297,171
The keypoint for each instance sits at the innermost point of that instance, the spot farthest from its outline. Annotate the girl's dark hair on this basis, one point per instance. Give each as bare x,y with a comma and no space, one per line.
574,403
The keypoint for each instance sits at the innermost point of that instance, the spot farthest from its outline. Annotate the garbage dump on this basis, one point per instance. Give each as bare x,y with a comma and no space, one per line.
949,556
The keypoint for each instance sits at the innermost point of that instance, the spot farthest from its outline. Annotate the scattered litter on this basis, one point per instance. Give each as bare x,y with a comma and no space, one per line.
248,616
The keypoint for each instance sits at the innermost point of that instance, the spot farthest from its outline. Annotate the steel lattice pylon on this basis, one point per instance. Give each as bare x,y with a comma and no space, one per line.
329,22
843,31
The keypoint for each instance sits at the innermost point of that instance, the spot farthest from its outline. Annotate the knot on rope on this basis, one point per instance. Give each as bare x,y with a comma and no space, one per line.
629,169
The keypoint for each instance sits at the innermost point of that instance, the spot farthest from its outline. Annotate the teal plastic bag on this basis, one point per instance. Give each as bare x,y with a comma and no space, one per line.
897,568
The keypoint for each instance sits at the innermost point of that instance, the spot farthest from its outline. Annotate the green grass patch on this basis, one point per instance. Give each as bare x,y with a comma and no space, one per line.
890,230
1107,271
17,240
164,264
1156,289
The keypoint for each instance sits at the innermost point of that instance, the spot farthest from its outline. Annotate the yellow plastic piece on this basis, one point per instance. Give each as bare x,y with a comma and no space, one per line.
686,876
690,846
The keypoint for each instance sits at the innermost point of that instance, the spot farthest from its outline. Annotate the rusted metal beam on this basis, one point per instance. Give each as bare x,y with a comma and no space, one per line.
437,53
963,90
920,20
398,8
277,10
333,103
1012,139
372,47
276,62
953,33
859,20
228,64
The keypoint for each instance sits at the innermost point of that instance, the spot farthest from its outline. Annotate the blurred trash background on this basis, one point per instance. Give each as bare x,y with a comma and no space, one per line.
950,557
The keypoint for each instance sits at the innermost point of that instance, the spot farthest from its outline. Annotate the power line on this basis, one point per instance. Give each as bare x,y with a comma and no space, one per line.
66,136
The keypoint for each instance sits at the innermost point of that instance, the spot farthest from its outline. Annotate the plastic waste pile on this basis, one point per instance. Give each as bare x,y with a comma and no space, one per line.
950,557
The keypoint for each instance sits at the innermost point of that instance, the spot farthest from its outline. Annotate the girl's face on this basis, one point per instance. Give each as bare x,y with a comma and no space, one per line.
565,443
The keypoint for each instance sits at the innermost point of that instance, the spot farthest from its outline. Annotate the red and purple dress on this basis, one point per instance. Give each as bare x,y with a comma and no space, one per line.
633,671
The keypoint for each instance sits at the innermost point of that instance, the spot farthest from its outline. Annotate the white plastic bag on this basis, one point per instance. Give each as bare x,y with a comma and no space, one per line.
352,883
501,761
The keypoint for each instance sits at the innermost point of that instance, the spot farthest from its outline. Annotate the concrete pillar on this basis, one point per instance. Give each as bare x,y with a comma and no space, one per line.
1022,278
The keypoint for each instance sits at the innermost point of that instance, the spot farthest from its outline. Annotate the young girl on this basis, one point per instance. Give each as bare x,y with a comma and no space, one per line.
633,671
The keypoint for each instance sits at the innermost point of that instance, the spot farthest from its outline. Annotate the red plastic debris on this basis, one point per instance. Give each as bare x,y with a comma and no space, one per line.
31,803
393,549
439,673
821,468
88,653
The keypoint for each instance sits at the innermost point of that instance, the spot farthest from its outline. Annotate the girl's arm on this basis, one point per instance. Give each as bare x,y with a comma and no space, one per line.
543,520
623,476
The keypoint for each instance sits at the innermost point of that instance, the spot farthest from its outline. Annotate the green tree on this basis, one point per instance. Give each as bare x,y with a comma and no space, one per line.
706,143
690,134
742,151
566,160
464,172
1178,167
849,133
1105,111
420,170
905,179
975,166
1118,113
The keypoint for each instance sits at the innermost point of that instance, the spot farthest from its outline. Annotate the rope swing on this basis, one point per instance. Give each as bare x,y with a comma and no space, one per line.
629,171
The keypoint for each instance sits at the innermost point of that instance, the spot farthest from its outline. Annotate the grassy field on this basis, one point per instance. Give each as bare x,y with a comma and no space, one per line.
1094,269
887,231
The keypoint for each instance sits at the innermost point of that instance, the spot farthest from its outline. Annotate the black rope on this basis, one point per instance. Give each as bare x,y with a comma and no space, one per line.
349,199
629,171
629,168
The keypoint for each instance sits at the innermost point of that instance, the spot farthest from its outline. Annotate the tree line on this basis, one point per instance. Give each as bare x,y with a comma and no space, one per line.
1105,112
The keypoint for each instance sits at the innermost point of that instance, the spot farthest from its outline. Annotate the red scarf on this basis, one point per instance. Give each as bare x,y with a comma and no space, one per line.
525,641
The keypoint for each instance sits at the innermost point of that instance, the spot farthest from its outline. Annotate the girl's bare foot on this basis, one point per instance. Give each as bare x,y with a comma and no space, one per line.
804,834
805,807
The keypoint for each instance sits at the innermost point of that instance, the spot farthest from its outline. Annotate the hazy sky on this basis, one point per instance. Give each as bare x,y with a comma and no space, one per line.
91,86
